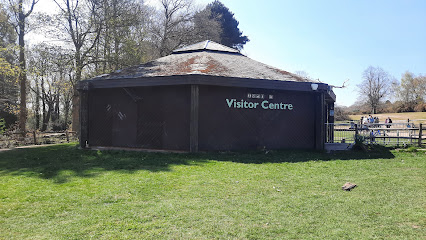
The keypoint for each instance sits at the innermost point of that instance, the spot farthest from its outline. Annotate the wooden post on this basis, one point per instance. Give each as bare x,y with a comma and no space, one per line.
356,132
397,135
420,134
330,118
84,115
193,122
319,121
35,137
68,136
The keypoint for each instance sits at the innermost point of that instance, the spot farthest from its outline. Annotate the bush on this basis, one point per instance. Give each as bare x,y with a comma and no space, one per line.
340,114
359,143
411,149
404,107
421,107
9,118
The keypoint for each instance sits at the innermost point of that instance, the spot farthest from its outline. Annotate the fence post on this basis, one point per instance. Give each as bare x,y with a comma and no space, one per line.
84,115
35,137
68,137
356,132
420,134
397,135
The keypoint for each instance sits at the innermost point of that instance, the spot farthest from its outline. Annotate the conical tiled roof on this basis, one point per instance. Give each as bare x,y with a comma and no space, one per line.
205,58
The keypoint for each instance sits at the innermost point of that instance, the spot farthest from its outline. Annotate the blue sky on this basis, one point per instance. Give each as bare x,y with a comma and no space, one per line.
335,40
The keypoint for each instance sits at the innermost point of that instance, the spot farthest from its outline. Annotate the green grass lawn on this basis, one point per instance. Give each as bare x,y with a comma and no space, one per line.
60,192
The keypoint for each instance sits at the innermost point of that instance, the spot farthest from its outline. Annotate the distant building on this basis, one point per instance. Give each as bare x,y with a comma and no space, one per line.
204,97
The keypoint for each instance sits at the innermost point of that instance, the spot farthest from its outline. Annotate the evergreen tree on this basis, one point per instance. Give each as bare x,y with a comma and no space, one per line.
231,35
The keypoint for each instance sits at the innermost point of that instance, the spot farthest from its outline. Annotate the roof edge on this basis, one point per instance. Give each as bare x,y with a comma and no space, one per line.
199,79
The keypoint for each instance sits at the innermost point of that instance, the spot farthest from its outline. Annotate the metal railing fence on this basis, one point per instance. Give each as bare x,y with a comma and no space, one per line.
406,133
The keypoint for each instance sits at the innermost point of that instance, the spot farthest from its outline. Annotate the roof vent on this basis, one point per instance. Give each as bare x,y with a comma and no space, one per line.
206,45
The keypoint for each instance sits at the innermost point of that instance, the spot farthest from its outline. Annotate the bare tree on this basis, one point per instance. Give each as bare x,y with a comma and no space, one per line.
83,23
411,91
122,36
172,26
50,73
21,16
420,83
376,85
303,75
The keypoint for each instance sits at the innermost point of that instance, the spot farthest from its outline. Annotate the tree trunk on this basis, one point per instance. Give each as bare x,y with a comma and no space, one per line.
55,112
23,74
66,112
48,115
76,94
43,101
37,105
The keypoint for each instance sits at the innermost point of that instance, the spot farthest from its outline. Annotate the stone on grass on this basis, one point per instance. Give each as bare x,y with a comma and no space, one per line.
348,186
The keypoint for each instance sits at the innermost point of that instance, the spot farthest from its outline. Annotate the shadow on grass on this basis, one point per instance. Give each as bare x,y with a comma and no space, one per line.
294,156
50,162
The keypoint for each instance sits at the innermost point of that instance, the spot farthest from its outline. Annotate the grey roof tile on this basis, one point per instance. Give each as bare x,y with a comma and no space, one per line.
207,58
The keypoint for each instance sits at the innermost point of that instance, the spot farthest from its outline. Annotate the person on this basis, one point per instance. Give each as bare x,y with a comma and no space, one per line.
364,122
388,121
375,121
352,124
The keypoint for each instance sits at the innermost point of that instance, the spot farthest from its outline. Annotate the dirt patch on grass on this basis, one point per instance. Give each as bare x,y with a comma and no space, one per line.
416,117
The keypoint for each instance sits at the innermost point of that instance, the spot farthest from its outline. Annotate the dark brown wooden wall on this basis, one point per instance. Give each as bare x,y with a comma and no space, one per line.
224,128
159,118
145,117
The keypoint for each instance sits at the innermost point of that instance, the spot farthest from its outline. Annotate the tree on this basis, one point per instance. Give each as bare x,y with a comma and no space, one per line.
374,87
304,75
405,92
51,71
8,91
172,25
206,27
231,35
341,113
7,33
8,69
83,24
121,39
420,85
410,92
20,25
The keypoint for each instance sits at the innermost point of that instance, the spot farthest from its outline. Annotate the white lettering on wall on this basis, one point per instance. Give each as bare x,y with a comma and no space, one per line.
243,104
